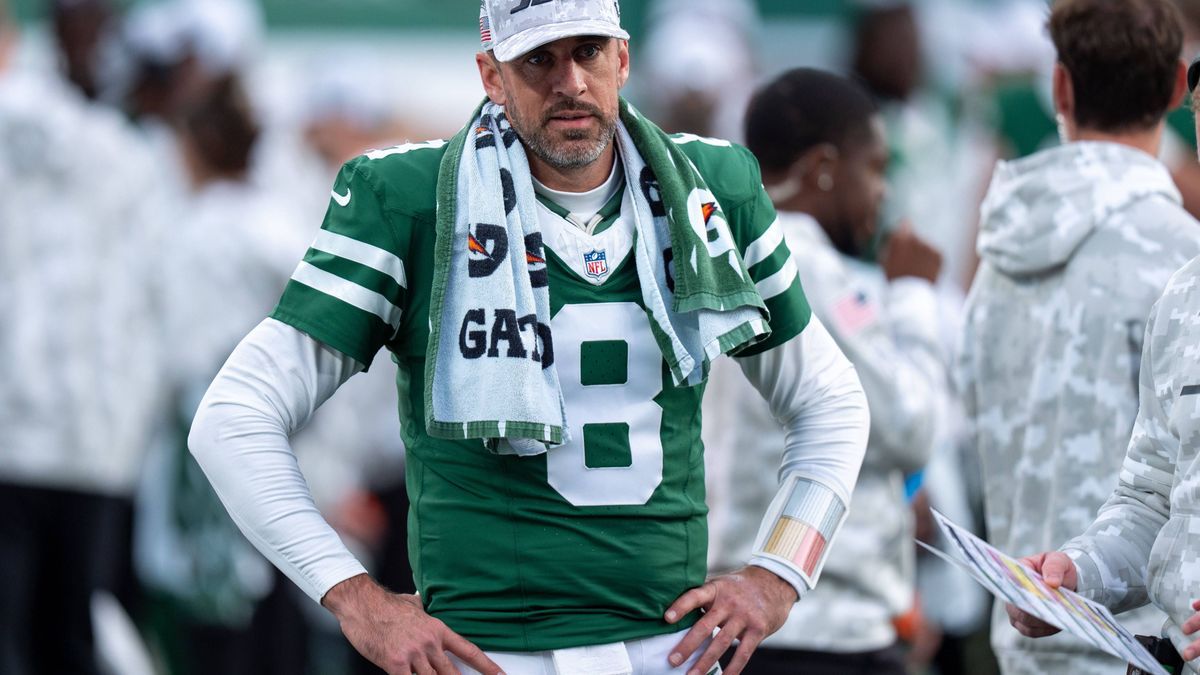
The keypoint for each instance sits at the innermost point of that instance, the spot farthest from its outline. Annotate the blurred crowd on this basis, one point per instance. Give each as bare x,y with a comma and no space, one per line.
164,169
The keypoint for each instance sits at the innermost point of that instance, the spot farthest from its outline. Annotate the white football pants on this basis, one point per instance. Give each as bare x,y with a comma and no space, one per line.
647,656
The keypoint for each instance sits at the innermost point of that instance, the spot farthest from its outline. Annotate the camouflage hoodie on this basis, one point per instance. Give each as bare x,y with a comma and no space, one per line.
1145,544
1076,244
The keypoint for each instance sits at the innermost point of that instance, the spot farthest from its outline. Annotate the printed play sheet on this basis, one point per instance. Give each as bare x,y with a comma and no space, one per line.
1014,583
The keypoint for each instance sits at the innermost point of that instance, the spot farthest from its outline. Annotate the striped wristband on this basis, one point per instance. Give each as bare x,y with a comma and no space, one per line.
799,526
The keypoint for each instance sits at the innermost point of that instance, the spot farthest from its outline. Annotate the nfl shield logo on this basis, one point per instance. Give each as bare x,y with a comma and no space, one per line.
596,263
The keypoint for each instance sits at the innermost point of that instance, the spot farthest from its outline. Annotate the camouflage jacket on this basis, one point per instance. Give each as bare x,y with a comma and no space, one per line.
890,333
79,238
1145,544
1076,244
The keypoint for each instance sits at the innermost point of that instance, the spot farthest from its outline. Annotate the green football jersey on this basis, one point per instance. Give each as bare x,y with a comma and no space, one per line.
590,542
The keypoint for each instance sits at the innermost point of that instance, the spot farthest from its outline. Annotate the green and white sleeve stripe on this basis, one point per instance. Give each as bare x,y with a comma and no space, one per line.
774,272
766,245
349,290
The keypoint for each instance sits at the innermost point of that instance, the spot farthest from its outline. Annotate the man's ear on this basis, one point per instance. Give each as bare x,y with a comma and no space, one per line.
1181,85
623,62
489,75
817,168
1064,93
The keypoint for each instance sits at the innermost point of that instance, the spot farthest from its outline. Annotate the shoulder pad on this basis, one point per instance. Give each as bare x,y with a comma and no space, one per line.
405,175
730,170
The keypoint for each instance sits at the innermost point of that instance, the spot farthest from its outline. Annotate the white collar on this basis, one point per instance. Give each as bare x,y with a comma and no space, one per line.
585,205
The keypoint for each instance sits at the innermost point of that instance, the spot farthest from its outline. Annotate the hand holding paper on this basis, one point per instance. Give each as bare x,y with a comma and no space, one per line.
1041,607
1057,570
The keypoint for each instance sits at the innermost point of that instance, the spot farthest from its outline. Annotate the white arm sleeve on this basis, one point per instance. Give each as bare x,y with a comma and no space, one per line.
814,393
267,390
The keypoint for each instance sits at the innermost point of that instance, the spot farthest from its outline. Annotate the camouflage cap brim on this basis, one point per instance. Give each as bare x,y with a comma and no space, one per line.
532,38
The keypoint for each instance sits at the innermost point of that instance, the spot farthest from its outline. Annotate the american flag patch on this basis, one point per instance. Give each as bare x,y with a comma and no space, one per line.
853,313
485,29
798,542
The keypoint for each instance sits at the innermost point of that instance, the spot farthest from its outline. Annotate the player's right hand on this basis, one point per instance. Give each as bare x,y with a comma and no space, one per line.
1057,570
394,632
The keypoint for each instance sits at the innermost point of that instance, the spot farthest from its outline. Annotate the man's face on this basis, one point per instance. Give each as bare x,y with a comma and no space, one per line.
562,98
861,188
889,57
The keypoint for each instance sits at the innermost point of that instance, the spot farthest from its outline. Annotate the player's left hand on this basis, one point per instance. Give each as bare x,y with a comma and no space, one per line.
747,605
1190,628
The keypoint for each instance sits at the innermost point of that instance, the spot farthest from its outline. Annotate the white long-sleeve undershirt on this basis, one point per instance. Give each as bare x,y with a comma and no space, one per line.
277,377
815,395
267,390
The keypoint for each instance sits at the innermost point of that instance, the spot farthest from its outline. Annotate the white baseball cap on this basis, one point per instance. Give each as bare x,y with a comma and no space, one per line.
510,28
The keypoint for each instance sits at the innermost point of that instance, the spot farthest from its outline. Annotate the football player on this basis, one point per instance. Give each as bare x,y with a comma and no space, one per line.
589,555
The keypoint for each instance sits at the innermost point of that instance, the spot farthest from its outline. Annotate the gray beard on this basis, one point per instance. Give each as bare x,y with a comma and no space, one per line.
574,157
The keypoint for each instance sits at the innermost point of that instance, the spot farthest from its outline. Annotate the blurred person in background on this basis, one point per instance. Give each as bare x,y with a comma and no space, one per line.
1076,244
700,86
165,69
347,113
1180,140
1141,547
345,108
78,359
934,174
216,604
178,53
1022,114
921,61
232,246
887,49
84,32
821,143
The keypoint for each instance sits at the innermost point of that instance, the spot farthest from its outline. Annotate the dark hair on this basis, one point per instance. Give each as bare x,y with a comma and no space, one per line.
223,127
1190,12
804,108
1122,56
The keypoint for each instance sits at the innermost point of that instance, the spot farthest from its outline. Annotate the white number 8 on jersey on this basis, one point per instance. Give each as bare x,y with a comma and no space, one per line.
603,404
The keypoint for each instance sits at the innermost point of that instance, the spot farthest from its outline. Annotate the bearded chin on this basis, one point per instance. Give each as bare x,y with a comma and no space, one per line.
574,149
